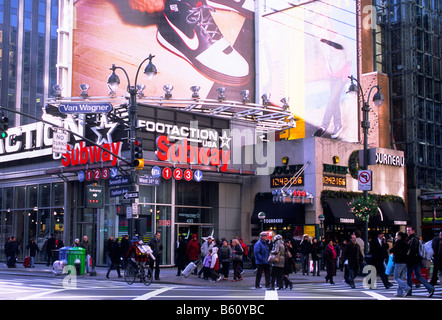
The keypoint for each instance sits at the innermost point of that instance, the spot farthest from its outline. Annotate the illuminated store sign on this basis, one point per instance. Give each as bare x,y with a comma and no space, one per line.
81,154
184,152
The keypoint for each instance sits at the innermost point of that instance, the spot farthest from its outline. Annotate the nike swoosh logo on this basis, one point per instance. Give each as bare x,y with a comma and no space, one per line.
192,43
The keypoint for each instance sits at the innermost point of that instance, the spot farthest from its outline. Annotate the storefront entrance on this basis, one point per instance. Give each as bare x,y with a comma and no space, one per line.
187,230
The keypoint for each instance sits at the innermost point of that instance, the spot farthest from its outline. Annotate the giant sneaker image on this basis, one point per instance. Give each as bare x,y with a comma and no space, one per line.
187,29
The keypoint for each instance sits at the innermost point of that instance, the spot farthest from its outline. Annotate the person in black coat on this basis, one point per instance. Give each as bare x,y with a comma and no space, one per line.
114,251
352,256
33,249
436,258
379,253
50,245
180,254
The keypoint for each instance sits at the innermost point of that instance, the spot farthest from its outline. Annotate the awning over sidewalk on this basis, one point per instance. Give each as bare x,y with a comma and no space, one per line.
338,212
393,213
286,213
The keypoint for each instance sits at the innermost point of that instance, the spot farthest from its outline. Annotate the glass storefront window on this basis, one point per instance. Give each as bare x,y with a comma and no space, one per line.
147,194
9,198
58,194
164,226
107,228
19,197
32,196
193,215
196,193
164,192
58,216
44,195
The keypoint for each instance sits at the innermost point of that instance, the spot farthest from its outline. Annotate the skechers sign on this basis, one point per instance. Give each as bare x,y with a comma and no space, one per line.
88,107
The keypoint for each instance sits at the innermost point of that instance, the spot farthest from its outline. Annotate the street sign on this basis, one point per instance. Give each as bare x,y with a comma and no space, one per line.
188,174
148,180
131,195
156,172
177,174
364,180
120,181
198,175
167,173
85,107
60,142
94,196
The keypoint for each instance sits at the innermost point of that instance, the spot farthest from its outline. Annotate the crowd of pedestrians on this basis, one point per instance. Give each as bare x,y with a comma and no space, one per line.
273,259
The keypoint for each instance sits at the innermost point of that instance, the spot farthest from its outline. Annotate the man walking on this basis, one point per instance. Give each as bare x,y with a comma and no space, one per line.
261,250
157,249
353,258
379,253
415,262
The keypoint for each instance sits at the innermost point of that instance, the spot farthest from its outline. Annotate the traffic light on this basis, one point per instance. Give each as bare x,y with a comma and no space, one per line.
137,152
3,124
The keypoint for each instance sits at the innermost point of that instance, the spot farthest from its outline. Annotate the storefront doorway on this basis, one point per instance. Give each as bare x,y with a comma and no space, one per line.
187,230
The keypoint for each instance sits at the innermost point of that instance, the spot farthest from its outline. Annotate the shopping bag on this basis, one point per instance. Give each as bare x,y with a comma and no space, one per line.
390,266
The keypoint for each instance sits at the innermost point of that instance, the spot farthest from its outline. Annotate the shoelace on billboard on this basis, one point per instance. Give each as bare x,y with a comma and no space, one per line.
202,17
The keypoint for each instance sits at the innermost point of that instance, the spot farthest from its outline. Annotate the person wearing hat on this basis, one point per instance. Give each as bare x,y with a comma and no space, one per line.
193,250
205,250
261,250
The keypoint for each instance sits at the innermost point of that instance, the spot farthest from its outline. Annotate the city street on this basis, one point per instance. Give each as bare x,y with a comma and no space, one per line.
41,284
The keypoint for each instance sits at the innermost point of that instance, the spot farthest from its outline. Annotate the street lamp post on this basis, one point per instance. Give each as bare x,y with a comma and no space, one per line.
113,81
378,99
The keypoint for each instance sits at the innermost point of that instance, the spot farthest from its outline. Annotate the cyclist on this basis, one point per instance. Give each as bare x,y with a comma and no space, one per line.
139,253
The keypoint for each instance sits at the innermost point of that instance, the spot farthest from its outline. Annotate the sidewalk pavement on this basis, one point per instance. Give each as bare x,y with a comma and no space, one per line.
168,276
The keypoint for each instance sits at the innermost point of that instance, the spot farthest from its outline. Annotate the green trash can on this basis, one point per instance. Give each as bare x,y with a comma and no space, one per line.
75,253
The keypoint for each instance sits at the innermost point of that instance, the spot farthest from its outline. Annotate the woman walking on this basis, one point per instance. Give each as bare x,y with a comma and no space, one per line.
331,258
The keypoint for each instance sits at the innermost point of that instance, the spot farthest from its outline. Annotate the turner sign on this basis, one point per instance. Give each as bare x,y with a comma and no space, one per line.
184,152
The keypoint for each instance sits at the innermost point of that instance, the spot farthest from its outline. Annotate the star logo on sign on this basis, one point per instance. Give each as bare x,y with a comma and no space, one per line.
225,140
104,130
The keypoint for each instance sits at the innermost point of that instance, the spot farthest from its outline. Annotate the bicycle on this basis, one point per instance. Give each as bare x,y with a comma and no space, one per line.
139,270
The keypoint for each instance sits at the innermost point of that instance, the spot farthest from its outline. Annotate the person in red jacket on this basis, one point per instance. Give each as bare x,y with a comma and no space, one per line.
193,250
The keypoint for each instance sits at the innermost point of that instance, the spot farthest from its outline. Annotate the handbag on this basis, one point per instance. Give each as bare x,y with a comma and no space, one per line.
390,266
273,258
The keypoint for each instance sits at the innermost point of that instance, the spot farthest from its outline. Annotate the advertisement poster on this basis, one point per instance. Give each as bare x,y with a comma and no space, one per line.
307,52
206,43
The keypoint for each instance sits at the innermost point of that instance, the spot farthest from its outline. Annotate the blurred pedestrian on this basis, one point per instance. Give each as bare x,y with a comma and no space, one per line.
305,248
315,249
261,252
50,245
287,266
353,258
225,256
277,265
237,253
157,248
33,249
114,251
214,265
331,258
85,244
193,250
379,254
414,262
399,251
180,255
124,247
435,245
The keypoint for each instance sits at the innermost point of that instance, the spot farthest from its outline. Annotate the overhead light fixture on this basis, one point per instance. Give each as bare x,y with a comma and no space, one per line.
245,96
266,99
378,98
335,159
58,88
195,94
168,91
84,88
113,81
221,92
285,103
150,71
353,88
140,89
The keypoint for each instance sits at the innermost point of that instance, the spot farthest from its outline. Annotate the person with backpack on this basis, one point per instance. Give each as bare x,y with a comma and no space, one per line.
414,261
